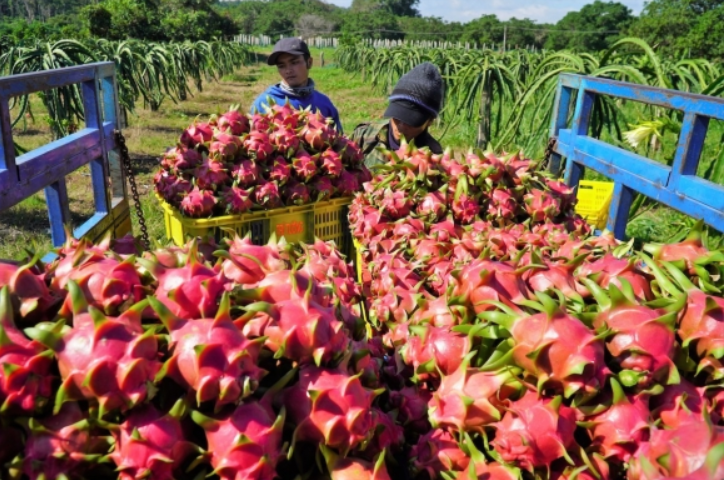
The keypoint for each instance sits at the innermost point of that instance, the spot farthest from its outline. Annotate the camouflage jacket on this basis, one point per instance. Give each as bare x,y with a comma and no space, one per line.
369,136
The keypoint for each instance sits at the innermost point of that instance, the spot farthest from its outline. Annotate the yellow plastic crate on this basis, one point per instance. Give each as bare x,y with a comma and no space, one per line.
594,199
325,220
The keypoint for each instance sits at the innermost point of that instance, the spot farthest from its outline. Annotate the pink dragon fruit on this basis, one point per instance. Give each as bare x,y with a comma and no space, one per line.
434,351
246,173
362,173
25,380
465,207
260,122
247,264
233,121
565,194
60,444
237,200
296,193
677,403
411,405
503,205
280,170
323,188
541,205
225,146
212,174
286,115
285,140
643,341
318,132
438,451
619,430
302,330
470,399
396,204
555,348
189,291
197,134
105,361
304,165
171,188
30,298
246,443
535,431
198,203
349,152
338,413
354,468
258,145
211,356
481,468
180,158
149,444
347,184
267,195
331,163
432,207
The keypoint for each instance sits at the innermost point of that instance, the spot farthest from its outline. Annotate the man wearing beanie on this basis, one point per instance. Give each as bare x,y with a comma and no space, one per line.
415,102
292,58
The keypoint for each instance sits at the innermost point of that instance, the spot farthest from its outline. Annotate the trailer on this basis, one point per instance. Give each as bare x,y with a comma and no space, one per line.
677,186
46,168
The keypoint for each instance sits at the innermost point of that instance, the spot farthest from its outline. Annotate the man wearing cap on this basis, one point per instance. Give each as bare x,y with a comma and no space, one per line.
415,102
293,61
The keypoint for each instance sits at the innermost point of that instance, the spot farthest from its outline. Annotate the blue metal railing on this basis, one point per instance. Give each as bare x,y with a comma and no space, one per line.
46,167
676,186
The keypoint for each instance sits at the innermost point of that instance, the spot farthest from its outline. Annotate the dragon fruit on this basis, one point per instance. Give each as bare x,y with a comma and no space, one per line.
438,451
225,146
246,173
555,348
434,351
285,140
535,431
171,188
248,264
347,184
105,360
286,115
245,443
180,158
237,200
465,207
323,188
233,121
267,195
196,134
211,356
330,406
411,404
198,203
432,207
331,163
643,340
349,151
25,379
396,204
541,205
260,122
211,174
60,444
318,132
149,444
258,146
297,194
618,431
503,205
470,399
30,298
304,165
354,468
189,291
280,170
677,403
690,254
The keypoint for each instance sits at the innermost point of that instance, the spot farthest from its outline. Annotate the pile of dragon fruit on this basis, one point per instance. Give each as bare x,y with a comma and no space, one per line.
485,340
235,163
530,348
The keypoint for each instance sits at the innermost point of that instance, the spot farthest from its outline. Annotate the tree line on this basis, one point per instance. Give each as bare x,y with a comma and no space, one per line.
678,28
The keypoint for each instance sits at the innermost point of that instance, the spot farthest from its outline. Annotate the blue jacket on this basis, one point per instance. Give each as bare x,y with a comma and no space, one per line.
318,101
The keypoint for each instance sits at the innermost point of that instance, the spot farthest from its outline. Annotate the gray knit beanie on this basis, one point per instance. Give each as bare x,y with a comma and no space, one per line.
417,96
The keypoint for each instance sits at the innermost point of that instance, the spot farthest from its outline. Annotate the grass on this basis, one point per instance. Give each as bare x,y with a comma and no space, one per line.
150,133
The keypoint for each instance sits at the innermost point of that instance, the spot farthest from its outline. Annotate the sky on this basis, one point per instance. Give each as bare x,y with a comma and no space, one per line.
540,11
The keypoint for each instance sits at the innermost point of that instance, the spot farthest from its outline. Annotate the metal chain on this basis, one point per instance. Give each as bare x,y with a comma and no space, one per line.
126,161
548,152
